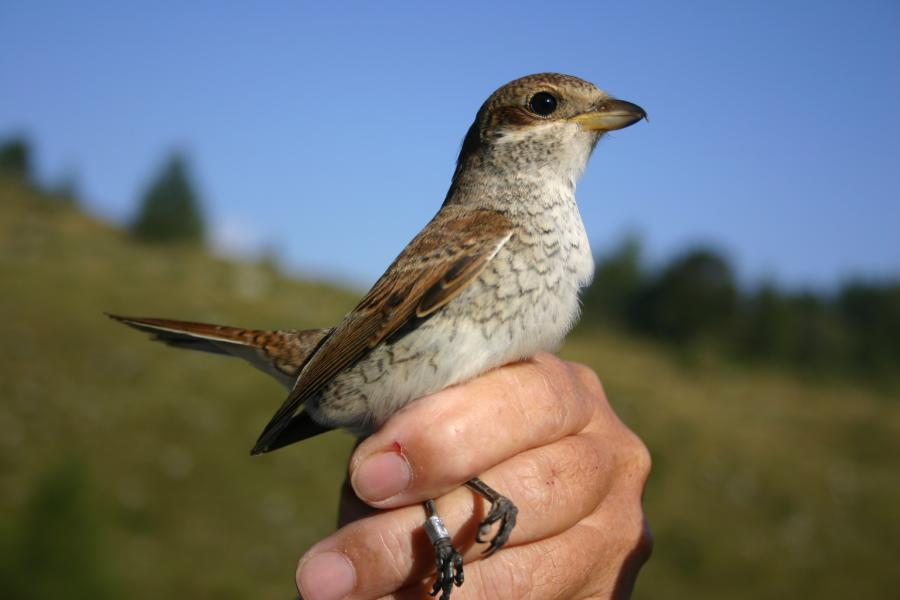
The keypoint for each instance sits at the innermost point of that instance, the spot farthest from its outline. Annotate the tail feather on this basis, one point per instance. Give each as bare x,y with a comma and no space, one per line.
280,354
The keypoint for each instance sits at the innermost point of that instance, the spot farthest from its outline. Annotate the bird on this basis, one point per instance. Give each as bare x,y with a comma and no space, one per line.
493,278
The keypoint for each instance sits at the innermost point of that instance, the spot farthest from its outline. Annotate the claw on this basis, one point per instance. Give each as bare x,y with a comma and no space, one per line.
505,512
449,569
448,561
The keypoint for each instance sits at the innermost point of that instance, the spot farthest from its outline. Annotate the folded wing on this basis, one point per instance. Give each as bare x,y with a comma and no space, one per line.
436,266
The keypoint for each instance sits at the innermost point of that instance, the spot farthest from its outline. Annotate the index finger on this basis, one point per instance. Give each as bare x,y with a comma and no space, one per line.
437,443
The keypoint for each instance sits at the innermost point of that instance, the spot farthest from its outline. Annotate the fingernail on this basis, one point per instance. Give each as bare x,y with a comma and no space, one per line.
327,576
381,476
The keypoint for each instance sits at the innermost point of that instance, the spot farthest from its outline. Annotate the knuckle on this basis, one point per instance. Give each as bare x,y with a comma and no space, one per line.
546,397
589,379
555,374
548,362
591,394
637,456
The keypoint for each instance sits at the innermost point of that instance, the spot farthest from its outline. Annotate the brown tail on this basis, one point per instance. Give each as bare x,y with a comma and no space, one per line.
281,354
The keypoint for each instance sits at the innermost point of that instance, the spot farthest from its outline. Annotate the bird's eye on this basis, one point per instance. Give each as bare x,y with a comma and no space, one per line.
543,103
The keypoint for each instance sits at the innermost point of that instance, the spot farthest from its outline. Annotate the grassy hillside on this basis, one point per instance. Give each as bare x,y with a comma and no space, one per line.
124,469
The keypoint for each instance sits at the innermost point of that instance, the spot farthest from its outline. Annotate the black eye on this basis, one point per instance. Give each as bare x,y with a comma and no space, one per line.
543,103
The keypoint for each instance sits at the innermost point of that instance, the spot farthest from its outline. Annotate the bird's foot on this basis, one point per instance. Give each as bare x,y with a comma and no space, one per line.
449,569
448,560
504,511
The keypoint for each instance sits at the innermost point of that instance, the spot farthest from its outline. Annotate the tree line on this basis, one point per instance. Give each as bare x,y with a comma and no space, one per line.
691,301
169,207
694,301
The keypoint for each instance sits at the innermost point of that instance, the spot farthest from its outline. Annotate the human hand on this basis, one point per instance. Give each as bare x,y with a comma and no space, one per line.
540,432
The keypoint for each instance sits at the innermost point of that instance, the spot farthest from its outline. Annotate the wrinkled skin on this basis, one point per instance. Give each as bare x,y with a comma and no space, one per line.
541,431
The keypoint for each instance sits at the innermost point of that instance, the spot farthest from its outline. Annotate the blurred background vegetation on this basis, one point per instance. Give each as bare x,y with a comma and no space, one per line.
772,415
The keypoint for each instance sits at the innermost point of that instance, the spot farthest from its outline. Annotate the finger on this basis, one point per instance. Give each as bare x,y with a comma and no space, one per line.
437,443
389,549
599,557
596,558
548,569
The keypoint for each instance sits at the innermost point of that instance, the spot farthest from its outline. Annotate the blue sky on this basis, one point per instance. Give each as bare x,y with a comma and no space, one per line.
328,132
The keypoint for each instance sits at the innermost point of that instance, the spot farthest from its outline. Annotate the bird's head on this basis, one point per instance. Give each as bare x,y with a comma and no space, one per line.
545,123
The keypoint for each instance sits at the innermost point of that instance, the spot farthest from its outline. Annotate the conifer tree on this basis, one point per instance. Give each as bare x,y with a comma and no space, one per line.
170,207
15,158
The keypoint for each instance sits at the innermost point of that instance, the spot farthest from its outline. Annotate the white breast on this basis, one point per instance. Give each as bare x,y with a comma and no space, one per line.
525,301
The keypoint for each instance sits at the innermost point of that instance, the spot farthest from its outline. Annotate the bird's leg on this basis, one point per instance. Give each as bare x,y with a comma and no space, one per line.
448,560
502,509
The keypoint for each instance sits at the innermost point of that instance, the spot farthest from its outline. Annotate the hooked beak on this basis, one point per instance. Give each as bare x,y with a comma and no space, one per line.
611,114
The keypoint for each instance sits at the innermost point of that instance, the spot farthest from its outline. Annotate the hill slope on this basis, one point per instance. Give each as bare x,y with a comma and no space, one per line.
124,468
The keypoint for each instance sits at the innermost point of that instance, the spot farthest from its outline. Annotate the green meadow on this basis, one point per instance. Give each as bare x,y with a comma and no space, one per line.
125,472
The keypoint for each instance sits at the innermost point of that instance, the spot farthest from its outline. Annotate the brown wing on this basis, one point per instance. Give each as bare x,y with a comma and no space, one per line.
439,263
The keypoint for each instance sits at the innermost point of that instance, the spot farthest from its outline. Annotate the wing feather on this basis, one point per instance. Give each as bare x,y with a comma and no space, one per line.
433,269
